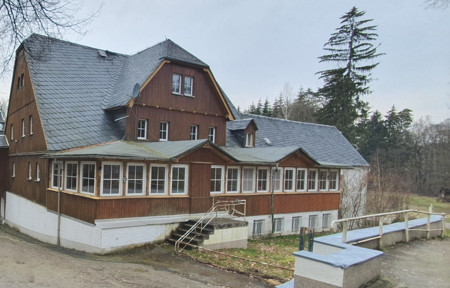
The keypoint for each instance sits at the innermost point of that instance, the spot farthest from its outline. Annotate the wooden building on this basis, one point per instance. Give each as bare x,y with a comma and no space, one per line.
108,150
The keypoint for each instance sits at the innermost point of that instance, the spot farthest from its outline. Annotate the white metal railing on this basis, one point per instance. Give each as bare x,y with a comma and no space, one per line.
228,207
381,217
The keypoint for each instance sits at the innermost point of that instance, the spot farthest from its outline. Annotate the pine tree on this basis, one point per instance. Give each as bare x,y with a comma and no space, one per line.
351,48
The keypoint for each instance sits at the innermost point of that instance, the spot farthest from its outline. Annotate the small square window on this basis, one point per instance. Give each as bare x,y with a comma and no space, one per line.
176,83
188,85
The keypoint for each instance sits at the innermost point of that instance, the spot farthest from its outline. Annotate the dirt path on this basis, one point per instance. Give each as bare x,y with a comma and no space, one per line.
420,263
25,262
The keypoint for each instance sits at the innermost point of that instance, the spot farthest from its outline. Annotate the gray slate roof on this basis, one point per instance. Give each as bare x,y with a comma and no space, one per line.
74,85
324,144
3,142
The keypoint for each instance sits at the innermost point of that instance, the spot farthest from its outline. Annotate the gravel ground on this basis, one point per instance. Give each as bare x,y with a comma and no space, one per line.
25,262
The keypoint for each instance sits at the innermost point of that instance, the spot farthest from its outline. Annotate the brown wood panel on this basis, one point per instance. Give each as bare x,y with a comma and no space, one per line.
206,155
199,187
304,202
256,204
298,160
70,205
4,171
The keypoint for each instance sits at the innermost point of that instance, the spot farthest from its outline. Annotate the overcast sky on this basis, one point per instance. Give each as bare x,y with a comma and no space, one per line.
255,48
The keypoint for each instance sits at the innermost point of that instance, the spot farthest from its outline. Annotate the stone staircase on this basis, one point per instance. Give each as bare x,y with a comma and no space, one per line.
194,239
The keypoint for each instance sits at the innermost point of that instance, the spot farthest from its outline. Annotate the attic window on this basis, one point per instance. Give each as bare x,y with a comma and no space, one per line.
142,129
176,83
20,81
248,140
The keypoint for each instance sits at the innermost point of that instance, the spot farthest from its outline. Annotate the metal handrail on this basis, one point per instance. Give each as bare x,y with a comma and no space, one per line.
224,206
380,222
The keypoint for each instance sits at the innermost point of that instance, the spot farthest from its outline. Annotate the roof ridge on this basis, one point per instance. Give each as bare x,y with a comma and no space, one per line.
287,120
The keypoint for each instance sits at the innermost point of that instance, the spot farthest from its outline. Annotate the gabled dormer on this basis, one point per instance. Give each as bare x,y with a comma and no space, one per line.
244,130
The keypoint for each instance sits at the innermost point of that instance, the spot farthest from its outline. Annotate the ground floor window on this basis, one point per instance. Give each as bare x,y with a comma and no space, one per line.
56,174
136,179
312,180
216,183
258,227
301,179
312,221
262,180
248,179
233,180
278,225
88,177
276,179
334,180
326,220
296,223
179,179
71,176
158,179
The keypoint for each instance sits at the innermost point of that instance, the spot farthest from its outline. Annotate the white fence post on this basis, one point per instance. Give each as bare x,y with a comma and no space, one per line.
406,227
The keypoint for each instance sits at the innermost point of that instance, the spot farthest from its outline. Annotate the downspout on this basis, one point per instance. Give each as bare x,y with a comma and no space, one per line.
58,235
272,198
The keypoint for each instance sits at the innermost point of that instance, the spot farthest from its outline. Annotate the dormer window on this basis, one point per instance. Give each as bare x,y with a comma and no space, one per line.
248,140
176,83
142,129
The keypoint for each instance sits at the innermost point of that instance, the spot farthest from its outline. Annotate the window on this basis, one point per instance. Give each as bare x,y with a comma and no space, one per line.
163,131
232,179
212,134
277,225
111,184
312,180
158,179
23,128
179,179
88,177
296,223
176,83
276,179
71,176
29,171
248,179
326,220
135,179
261,180
258,227
289,179
38,172
301,179
216,179
312,221
20,81
188,85
12,132
334,180
142,129
193,133
323,180
13,173
56,175
248,140
30,119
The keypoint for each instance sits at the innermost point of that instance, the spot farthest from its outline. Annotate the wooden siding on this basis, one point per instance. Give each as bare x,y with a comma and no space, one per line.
157,103
4,171
199,190
206,155
298,160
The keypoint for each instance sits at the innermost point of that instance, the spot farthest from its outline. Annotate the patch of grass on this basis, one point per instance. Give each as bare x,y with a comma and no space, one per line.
277,251
423,203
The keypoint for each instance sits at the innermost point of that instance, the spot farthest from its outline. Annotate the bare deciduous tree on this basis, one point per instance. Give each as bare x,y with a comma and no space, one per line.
21,18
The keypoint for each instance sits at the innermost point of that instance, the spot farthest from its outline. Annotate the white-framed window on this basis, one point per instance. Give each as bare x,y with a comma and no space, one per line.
23,128
312,221
30,119
248,179
135,179
38,172
248,140
11,132
188,85
71,176
323,180
111,184
217,177
258,226
212,134
179,180
158,179
289,177
233,179
30,172
163,131
176,83
312,180
262,183
296,223
56,174
301,179
277,179
326,220
334,180
142,129
88,172
277,225
13,168
193,132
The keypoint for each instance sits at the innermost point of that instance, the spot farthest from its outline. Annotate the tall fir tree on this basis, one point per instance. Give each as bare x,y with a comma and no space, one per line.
351,48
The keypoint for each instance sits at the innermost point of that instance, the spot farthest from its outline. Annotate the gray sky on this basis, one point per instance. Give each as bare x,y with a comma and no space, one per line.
255,48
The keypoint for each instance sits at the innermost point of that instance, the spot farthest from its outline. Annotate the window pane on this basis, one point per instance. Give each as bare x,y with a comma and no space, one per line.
135,179
188,85
276,179
176,83
262,180
158,180
248,180
88,178
301,180
312,180
289,180
178,180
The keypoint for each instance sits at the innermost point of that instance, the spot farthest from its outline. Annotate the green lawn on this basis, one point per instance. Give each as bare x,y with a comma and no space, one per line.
423,203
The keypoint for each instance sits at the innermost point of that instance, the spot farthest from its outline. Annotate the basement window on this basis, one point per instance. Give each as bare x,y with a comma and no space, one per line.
258,227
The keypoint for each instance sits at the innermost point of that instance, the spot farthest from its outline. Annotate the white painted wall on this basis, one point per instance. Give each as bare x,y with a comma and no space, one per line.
353,198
